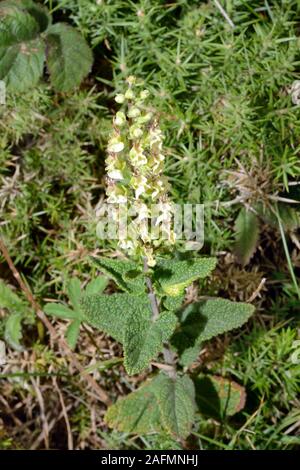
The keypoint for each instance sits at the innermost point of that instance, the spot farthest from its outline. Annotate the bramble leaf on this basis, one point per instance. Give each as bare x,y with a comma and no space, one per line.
39,12
16,25
69,58
21,65
174,276
247,234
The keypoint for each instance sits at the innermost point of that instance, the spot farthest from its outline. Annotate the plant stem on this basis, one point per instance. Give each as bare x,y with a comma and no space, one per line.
151,294
169,356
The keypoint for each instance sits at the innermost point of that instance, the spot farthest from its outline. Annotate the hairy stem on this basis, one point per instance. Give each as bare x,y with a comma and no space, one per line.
169,356
151,294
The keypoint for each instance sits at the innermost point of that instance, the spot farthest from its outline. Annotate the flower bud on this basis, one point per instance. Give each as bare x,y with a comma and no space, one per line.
120,119
133,112
120,98
129,95
131,79
137,157
135,132
144,94
143,119
115,145
115,175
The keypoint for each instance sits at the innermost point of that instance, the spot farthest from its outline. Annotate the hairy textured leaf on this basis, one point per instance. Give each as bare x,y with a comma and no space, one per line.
204,320
109,313
189,355
247,234
164,404
21,65
13,331
173,303
73,333
137,413
144,338
220,315
118,270
174,276
69,58
218,397
176,401
16,25
128,319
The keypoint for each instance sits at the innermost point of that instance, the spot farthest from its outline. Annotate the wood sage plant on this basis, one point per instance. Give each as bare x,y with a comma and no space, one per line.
160,333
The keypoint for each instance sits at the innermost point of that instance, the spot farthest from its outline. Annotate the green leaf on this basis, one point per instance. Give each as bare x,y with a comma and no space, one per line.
221,315
109,313
176,401
60,311
218,397
39,12
144,338
13,331
8,299
72,333
21,65
247,235
69,58
74,292
173,303
118,270
175,276
128,319
136,413
96,286
16,25
164,404
290,217
202,321
189,355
